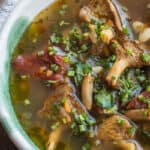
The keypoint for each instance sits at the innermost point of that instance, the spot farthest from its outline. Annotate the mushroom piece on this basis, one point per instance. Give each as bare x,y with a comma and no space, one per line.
138,114
97,9
125,145
128,54
108,9
115,128
87,91
116,145
54,138
146,126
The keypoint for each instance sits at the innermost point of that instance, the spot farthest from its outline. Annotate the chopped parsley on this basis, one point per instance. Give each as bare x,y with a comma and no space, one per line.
82,123
128,86
131,130
71,73
63,9
145,57
145,100
129,51
55,38
120,121
86,146
81,69
55,126
54,67
148,88
52,51
62,23
125,30
115,44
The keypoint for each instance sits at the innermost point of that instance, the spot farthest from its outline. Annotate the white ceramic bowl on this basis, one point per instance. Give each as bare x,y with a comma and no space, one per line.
17,22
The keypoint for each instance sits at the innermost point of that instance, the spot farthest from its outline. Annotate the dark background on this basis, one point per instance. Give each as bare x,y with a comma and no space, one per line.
5,143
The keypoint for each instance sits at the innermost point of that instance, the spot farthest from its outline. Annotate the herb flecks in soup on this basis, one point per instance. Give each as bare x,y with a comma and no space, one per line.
80,77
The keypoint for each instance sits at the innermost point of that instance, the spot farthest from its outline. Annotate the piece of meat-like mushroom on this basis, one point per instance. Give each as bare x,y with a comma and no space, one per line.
138,114
139,102
115,128
38,65
128,54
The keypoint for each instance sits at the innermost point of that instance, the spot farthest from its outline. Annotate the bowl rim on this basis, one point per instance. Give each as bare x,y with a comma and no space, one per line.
14,129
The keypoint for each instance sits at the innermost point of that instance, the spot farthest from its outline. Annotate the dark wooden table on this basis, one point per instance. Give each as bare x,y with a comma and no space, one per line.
6,7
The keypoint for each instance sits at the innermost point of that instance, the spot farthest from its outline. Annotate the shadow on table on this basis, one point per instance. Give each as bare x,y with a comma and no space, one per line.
5,142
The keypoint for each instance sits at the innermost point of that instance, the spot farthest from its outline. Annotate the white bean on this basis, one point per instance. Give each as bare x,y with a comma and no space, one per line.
138,26
145,35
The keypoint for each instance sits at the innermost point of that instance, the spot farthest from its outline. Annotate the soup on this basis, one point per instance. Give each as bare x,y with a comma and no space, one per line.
80,77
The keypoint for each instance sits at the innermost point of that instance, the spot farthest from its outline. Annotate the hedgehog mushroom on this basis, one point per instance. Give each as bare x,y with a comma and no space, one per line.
128,54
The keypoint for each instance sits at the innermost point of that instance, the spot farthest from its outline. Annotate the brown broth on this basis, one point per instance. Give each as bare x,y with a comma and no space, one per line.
34,39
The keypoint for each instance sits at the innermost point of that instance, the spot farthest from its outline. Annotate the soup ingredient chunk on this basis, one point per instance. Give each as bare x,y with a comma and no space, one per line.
67,109
41,65
128,54
116,128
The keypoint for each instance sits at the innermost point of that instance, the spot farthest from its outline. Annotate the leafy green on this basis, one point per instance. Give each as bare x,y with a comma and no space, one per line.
103,99
81,69
125,30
